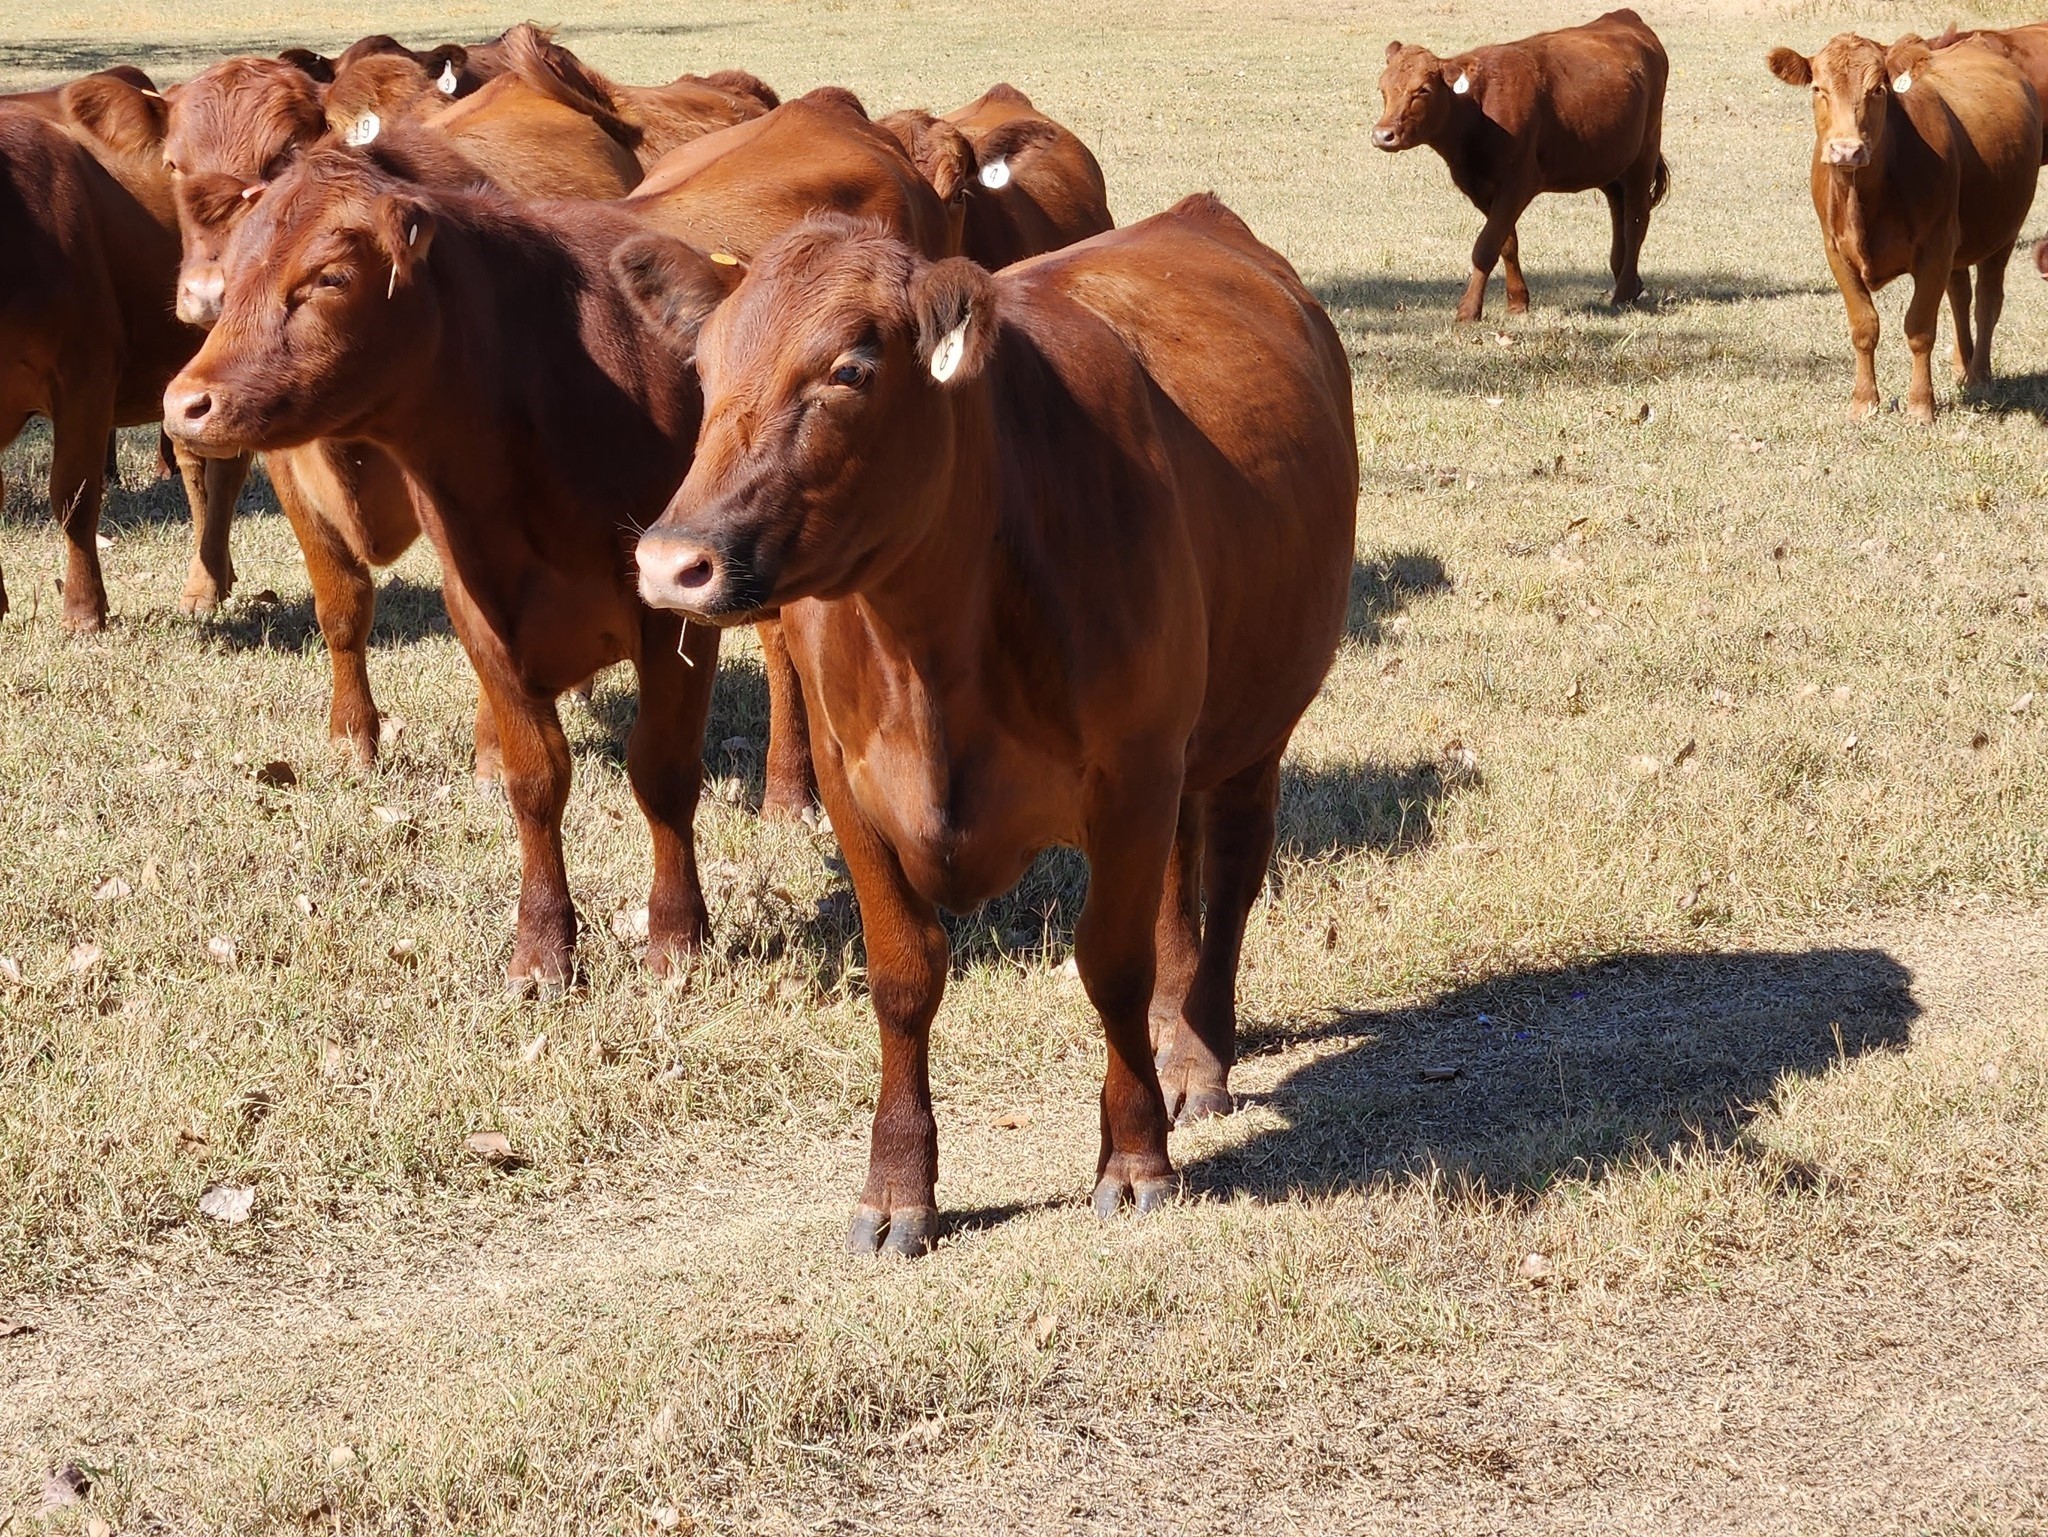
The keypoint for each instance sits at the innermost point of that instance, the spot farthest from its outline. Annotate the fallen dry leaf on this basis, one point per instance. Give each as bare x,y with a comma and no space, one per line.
277,774
98,1526
1011,1120
534,1049
1439,1074
84,957
227,1203
405,951
1980,741
1686,750
630,926
2021,705
1534,1268
14,1328
222,949
10,973
112,889
341,1458
1047,1326
491,1146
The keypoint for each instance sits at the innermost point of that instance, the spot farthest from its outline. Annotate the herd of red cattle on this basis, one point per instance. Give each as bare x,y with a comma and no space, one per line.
1047,526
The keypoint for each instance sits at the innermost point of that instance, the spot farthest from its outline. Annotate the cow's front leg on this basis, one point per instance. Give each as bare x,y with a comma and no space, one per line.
212,486
1131,827
1493,238
1923,313
1862,311
665,762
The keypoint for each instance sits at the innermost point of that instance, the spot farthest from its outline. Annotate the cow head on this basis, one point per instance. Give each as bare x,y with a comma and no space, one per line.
325,307
1420,91
943,156
826,377
1853,81
120,117
380,89
232,131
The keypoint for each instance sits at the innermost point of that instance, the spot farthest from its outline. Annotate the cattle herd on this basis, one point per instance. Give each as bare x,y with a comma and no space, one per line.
1046,526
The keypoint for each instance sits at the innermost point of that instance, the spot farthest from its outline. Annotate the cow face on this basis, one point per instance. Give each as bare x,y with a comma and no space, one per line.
1853,81
827,432
1420,91
324,308
232,131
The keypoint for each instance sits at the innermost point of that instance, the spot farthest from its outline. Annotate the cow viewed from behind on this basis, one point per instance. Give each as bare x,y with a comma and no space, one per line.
1924,166
1562,111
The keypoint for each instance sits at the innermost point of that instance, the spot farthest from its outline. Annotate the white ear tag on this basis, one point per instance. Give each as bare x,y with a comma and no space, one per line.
1904,83
363,130
391,288
447,83
946,356
1462,86
996,175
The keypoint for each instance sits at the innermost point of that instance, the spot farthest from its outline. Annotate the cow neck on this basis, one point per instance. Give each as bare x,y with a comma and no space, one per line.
925,606
1861,200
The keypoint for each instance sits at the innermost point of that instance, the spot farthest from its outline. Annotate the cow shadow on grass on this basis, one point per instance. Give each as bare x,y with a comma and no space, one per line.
1567,1073
2012,395
407,611
1395,301
1382,588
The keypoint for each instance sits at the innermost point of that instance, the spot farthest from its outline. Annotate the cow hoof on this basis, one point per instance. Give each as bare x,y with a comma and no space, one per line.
84,621
1922,411
1145,1196
909,1233
673,959
785,808
354,747
1202,1105
1517,306
200,598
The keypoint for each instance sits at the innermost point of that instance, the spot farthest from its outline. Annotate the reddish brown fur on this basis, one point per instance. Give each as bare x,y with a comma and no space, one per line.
733,192
648,120
1080,593
1927,182
2026,46
1561,111
486,348
87,337
1055,194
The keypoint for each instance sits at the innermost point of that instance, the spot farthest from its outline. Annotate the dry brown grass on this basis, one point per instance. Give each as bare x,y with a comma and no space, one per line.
1749,1031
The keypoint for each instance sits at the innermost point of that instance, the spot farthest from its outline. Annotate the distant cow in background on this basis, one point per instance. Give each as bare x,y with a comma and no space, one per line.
1561,111
1924,165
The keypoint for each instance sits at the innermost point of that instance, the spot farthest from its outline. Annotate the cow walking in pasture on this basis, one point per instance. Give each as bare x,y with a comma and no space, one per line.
1562,111
1062,554
1924,164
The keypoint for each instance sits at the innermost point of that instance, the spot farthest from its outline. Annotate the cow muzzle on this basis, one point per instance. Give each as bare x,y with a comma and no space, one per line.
689,576
200,296
1850,154
1384,137
192,419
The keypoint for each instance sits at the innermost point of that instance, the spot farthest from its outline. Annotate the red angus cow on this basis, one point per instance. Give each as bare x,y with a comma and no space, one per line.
1924,164
486,347
1561,111
88,255
454,70
2026,46
1062,554
649,120
1037,187
231,129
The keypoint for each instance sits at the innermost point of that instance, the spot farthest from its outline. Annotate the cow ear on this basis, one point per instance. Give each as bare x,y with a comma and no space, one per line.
405,229
1462,76
1792,67
674,287
115,113
1393,51
955,304
316,67
1904,60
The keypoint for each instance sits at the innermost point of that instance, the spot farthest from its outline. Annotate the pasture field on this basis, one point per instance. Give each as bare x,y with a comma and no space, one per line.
1680,785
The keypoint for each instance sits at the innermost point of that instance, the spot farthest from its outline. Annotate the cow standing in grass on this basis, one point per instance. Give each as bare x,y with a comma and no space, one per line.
1561,111
1062,553
1924,166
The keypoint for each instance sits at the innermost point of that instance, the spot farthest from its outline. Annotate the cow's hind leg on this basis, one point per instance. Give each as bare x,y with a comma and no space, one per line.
211,489
1511,272
791,788
1195,1071
1959,307
1990,305
1628,209
77,485
664,761
1177,934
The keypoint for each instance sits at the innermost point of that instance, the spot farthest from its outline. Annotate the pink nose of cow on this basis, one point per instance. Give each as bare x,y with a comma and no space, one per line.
678,573
1384,137
187,412
199,298
1849,152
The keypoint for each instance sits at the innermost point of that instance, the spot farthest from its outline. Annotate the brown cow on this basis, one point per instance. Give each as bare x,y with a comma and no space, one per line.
649,120
238,125
88,255
734,191
487,348
454,70
2026,46
1562,111
1062,553
1924,165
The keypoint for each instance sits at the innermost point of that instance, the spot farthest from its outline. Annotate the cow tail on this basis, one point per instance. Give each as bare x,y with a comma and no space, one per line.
1660,182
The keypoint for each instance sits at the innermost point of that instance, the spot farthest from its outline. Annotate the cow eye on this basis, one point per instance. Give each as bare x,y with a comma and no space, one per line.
852,376
333,277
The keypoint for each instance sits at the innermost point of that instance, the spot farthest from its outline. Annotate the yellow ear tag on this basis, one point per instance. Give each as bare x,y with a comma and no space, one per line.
725,258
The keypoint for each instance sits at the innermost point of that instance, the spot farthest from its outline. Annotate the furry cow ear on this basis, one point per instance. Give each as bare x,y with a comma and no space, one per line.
955,304
1790,66
674,287
941,153
115,112
405,229
1393,51
1904,60
1462,76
